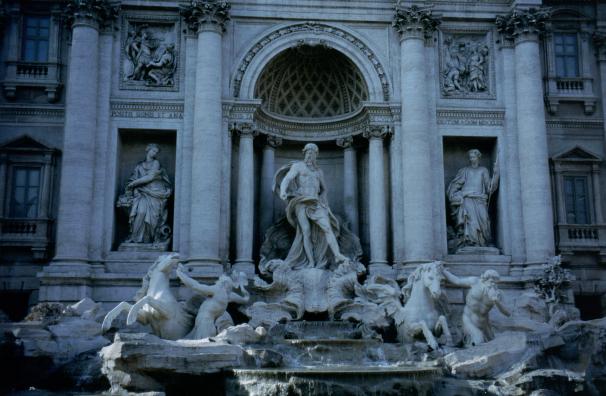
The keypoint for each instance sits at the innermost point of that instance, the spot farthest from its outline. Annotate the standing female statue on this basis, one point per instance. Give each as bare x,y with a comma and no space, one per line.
146,195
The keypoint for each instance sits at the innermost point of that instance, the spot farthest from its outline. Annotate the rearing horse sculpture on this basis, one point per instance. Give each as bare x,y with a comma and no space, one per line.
419,315
156,305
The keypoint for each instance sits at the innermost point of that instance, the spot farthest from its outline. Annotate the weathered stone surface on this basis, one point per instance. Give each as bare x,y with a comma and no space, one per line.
241,334
143,362
488,359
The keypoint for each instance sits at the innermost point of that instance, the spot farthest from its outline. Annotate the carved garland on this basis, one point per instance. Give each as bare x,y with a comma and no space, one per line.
317,29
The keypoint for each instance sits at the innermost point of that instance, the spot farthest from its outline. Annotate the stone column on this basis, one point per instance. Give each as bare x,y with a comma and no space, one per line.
246,200
350,183
208,19
524,27
376,199
599,42
414,24
268,169
77,174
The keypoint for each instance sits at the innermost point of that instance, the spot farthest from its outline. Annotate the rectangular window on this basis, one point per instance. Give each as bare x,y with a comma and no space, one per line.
566,54
577,200
35,38
25,192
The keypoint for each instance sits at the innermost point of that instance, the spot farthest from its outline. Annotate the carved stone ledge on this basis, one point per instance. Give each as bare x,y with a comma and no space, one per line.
414,22
521,25
94,13
206,14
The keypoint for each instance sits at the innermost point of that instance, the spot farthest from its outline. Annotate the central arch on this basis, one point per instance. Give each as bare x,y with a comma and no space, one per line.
272,43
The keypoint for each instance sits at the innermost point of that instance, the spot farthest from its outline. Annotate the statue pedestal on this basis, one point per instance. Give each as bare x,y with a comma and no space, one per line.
486,250
143,247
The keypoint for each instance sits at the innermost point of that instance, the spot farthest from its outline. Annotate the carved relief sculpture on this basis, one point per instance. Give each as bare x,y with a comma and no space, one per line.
145,198
469,195
150,55
465,65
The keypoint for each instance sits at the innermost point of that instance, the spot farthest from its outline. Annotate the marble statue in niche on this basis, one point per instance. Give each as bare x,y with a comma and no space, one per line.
469,195
145,198
481,298
309,259
150,59
465,64
302,185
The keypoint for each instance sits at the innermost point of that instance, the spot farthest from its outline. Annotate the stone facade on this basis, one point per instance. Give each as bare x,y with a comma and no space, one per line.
394,96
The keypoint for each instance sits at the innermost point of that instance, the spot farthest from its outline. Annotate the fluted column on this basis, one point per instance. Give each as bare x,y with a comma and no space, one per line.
246,200
350,183
77,176
525,26
208,19
267,176
414,24
376,199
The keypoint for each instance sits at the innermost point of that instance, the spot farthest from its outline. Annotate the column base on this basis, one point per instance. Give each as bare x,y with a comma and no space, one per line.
246,266
69,266
381,268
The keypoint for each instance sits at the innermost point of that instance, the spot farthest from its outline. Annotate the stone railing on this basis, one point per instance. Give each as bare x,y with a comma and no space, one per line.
32,74
26,233
583,237
577,89
570,85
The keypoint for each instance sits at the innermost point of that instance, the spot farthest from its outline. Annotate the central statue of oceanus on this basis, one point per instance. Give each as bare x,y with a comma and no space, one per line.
302,185
309,260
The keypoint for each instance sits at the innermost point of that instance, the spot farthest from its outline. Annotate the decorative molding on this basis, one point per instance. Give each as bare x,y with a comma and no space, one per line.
206,14
323,129
523,24
317,28
152,110
466,64
32,114
164,31
414,22
95,13
472,117
575,124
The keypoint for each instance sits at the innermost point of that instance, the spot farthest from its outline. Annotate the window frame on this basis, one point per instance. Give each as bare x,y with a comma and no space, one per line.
12,187
590,217
36,38
577,55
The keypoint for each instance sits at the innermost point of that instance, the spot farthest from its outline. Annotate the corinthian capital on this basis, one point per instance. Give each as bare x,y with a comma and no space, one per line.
92,12
377,132
599,42
529,23
414,21
244,129
206,14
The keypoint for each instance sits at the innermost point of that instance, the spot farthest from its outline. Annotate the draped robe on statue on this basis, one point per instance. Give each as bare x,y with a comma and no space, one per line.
315,209
148,211
468,193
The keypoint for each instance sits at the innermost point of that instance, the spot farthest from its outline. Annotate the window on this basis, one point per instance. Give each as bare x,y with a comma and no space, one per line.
25,192
566,54
576,198
35,38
